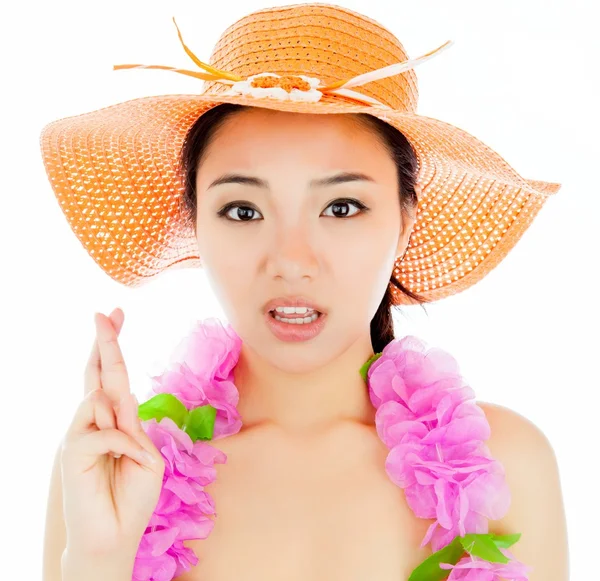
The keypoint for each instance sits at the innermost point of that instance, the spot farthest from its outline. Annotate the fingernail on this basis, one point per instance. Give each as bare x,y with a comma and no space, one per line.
147,457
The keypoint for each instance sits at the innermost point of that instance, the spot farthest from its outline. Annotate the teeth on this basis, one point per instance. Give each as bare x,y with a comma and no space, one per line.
292,310
298,320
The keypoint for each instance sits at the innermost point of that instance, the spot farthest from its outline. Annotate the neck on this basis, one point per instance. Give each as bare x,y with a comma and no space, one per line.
304,402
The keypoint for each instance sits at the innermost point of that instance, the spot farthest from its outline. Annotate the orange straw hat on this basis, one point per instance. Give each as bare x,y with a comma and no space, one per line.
115,171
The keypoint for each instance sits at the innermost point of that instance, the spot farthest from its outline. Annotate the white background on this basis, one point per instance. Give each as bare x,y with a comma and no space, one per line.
520,77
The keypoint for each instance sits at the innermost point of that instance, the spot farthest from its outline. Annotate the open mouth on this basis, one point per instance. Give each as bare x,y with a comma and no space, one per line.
296,326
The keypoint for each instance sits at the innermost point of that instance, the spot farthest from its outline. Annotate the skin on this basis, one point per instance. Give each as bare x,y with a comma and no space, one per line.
296,243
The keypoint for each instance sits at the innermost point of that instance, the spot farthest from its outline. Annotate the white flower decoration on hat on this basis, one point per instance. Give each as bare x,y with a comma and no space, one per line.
285,88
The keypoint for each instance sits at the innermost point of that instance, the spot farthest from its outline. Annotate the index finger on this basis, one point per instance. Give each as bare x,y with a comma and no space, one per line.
113,372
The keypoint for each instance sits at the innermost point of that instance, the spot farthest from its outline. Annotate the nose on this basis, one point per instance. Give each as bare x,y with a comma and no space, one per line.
292,256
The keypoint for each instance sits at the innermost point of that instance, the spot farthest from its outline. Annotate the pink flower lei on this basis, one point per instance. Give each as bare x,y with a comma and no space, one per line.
426,415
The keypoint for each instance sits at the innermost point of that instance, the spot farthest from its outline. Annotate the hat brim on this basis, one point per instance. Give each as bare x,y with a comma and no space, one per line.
114,173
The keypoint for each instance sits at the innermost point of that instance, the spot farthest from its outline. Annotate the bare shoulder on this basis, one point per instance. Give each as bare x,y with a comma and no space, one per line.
537,508
510,427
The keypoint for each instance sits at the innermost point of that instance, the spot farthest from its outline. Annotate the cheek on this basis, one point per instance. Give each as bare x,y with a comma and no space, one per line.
373,246
230,269
221,263
365,267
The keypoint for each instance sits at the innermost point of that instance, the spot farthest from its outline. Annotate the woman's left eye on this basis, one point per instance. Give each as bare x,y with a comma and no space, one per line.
344,202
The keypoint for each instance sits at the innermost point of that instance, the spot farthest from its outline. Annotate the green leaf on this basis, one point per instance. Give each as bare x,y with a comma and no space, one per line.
200,423
506,541
365,368
484,547
163,405
429,569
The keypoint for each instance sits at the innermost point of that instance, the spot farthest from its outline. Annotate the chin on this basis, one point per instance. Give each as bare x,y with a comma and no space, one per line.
296,357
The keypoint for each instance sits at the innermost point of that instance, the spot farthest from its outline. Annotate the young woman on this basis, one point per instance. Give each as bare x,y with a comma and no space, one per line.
336,450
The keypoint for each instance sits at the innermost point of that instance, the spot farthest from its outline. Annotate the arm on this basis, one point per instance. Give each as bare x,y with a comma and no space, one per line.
55,533
537,509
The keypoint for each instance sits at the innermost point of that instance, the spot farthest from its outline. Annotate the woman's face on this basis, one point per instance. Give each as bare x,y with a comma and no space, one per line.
289,237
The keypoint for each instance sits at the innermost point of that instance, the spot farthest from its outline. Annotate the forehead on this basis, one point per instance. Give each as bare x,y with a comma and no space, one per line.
258,136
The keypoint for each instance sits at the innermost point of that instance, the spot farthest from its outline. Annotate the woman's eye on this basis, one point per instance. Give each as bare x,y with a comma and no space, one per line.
339,207
243,213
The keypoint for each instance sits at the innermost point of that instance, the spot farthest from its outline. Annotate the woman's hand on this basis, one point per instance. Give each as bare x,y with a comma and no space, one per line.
110,488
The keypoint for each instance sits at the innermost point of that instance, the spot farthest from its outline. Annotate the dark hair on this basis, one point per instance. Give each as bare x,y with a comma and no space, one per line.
203,130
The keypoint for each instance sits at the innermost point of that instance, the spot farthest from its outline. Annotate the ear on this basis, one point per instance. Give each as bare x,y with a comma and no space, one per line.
408,223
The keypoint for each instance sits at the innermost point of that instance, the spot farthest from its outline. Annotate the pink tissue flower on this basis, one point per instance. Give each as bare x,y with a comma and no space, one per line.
428,417
474,569
201,373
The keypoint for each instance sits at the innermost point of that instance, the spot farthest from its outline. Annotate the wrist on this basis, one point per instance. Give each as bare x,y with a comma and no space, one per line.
76,565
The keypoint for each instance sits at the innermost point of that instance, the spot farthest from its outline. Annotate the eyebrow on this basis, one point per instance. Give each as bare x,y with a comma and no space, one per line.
340,178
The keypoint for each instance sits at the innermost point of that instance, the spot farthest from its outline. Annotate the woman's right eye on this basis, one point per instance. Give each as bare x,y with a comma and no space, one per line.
241,213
